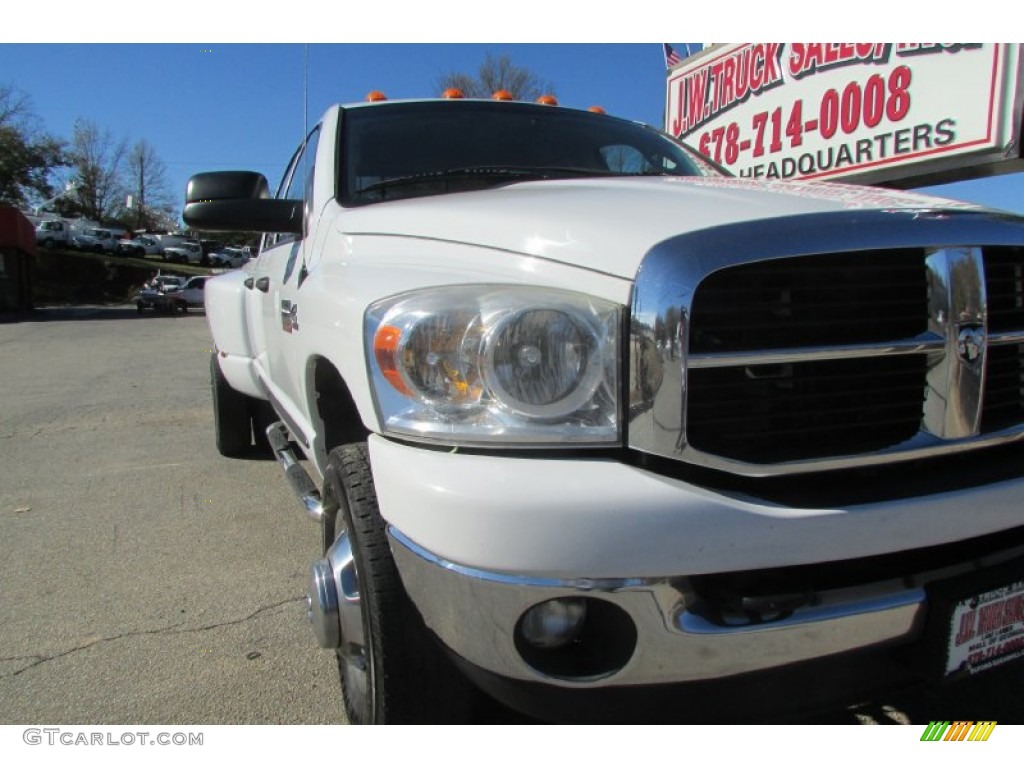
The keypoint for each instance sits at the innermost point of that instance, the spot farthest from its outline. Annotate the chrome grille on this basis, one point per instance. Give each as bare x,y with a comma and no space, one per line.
789,411
760,349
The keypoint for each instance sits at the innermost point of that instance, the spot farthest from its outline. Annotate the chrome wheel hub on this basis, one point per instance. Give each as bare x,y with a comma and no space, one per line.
333,605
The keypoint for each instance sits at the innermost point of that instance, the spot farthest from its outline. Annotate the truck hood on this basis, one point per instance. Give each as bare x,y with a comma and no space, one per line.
607,225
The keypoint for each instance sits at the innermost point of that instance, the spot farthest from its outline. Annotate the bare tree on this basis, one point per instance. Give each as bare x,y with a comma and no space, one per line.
148,185
494,74
28,155
98,161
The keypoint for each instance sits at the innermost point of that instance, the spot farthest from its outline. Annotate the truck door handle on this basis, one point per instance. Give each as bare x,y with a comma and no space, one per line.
263,284
247,283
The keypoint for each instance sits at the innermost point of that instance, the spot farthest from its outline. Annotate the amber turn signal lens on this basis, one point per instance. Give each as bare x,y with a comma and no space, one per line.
385,351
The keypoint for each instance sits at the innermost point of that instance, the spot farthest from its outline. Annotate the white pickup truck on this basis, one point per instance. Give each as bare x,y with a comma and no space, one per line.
610,434
53,232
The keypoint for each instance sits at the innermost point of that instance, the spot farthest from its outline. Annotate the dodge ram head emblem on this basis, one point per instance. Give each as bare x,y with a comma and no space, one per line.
970,343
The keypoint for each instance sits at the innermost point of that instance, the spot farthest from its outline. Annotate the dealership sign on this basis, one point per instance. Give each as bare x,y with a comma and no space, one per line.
892,113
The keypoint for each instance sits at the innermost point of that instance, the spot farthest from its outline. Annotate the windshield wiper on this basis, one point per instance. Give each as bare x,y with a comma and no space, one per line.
500,174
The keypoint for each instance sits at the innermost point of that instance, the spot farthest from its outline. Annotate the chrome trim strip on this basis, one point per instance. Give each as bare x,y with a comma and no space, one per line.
693,623
894,348
1005,338
508,579
671,272
923,446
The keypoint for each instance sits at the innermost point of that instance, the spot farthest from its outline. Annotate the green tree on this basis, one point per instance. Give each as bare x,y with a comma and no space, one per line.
497,73
28,155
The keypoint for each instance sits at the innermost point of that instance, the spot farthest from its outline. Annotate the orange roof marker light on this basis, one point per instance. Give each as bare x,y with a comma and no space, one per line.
548,99
376,96
502,95
597,109
452,93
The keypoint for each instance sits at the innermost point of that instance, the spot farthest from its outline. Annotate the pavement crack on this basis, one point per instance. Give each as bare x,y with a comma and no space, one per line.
174,629
242,620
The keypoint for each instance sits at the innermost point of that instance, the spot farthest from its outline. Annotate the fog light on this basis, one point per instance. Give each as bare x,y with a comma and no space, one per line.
554,624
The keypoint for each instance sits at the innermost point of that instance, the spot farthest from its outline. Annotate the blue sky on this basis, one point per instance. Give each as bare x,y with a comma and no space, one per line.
210,106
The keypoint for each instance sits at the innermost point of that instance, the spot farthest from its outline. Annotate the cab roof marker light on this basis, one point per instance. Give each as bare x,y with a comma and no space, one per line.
452,93
502,95
548,99
376,96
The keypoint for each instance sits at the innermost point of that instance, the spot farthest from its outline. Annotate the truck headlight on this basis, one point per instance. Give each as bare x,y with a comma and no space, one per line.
496,364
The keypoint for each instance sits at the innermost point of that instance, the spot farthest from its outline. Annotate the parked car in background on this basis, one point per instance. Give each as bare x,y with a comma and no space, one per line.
50,234
160,293
165,241
186,253
95,239
138,246
190,295
228,257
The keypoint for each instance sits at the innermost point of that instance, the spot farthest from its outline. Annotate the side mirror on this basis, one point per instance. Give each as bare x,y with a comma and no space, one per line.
238,201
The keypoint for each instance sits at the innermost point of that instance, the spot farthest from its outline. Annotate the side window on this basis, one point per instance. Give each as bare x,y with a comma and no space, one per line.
297,182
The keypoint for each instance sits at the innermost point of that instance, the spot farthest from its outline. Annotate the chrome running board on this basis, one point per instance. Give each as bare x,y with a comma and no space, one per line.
301,482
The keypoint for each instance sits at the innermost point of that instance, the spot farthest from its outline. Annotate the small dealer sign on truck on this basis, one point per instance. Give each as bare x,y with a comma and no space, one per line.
903,114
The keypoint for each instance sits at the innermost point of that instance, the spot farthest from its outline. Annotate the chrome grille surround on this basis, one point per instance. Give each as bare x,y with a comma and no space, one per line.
952,345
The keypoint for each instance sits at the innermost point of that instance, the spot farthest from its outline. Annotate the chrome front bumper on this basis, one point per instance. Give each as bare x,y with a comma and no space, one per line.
475,614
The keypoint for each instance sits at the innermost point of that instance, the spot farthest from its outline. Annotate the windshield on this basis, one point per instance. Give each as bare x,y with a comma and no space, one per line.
400,150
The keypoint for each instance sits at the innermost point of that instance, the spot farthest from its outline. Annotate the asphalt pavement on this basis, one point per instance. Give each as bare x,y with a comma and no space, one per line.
145,579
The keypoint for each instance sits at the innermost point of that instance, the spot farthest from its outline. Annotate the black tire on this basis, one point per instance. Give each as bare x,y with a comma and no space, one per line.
231,418
138,307
48,242
183,306
399,674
